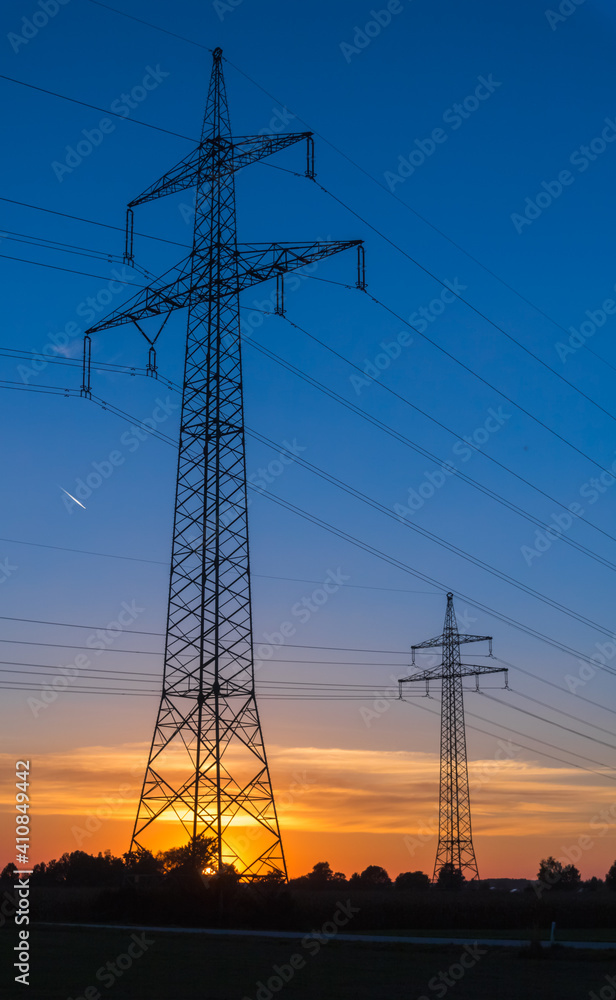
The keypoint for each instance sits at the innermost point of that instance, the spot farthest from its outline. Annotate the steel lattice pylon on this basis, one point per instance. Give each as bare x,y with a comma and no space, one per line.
207,770
455,841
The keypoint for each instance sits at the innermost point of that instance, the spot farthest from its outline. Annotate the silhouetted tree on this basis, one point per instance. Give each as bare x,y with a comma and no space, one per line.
322,877
553,874
6,875
275,877
142,862
412,880
571,878
192,857
372,877
550,871
227,875
593,883
450,877
79,868
610,878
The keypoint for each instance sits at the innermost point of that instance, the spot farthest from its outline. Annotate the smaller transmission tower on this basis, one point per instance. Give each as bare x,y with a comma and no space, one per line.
455,841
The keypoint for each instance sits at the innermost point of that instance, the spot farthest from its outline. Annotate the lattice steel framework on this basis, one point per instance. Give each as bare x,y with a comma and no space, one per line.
455,841
207,769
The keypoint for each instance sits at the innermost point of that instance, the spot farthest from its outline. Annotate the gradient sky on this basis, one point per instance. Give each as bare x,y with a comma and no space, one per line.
369,780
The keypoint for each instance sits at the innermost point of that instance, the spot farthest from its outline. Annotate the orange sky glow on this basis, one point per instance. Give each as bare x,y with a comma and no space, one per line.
347,806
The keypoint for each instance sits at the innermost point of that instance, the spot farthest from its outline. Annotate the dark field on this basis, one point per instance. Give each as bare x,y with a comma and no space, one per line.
189,966
194,967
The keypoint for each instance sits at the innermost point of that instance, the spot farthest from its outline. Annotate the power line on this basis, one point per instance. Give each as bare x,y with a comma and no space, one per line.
576,694
415,329
393,313
85,552
534,632
558,725
356,409
534,750
568,715
323,691
4,685
424,452
49,244
437,539
408,256
69,270
475,310
530,631
405,204
97,649
49,390
140,20
500,392
94,107
92,222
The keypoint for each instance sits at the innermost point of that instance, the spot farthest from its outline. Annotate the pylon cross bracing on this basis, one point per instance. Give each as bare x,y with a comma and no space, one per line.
455,849
207,772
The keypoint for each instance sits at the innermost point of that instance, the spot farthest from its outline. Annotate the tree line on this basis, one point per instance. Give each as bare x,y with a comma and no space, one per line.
195,858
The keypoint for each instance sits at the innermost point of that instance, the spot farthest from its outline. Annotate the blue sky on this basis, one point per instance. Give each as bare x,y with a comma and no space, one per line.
549,90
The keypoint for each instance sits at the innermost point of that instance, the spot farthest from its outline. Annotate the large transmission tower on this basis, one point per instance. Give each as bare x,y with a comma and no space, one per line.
207,769
455,849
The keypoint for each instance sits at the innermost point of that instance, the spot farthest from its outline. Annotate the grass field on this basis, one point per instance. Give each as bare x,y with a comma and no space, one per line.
195,967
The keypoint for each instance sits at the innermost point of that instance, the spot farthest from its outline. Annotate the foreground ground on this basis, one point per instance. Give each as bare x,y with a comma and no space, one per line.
193,967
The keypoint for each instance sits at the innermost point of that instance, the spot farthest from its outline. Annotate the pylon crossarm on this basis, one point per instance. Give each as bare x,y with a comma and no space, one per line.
180,177
222,157
259,262
463,670
438,640
250,148
171,291
429,643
